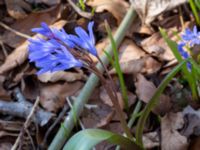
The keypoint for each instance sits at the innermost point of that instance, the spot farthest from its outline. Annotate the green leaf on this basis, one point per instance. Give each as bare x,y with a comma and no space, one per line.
117,66
194,10
153,101
87,139
189,76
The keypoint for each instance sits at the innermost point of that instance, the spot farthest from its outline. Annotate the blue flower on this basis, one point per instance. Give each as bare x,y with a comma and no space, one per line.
51,56
85,40
184,53
53,33
191,37
44,30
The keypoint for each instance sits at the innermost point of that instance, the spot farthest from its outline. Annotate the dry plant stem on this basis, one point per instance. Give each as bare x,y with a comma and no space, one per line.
79,11
62,113
14,31
26,124
113,96
65,130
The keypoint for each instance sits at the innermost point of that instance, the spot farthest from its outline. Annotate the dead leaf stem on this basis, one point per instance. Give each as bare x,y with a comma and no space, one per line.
26,124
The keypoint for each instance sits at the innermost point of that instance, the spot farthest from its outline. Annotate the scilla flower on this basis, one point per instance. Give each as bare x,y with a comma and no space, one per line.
184,54
52,54
85,40
191,37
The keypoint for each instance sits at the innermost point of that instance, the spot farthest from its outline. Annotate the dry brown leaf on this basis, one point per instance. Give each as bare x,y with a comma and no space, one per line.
192,117
60,76
131,67
16,8
53,96
97,117
156,46
145,90
171,138
20,54
151,66
148,10
33,20
6,146
118,8
150,140
47,2
128,50
106,99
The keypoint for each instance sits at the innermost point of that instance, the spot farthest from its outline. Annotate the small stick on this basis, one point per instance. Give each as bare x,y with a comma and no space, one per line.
26,124
14,31
58,119
79,11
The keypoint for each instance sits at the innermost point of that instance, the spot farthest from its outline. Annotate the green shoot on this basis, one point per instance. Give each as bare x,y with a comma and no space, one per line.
87,139
189,76
117,66
153,101
194,10
81,4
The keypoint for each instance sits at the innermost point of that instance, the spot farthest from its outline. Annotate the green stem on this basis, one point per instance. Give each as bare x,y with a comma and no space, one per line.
133,117
195,12
117,67
153,101
62,135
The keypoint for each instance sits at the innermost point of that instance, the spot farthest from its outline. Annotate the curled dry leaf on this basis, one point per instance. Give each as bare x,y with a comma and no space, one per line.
20,54
6,146
53,96
97,117
145,90
157,47
47,2
171,138
17,8
28,23
148,10
106,99
128,50
193,122
117,8
150,140
60,76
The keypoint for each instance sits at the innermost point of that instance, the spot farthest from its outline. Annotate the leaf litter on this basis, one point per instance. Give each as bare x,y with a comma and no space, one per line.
144,61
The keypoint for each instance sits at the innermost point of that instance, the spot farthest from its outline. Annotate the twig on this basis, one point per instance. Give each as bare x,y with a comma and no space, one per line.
22,109
79,11
92,82
19,96
14,31
62,113
26,124
3,49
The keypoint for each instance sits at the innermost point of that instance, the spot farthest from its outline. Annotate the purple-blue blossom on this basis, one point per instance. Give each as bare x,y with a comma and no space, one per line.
84,40
191,37
53,33
184,53
51,56
53,53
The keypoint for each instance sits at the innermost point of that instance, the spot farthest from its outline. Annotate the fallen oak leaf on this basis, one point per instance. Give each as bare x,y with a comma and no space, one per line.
53,95
146,89
20,54
117,8
60,76
171,138
16,8
148,10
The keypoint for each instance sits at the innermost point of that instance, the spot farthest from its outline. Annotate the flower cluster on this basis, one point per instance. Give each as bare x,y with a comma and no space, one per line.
189,39
53,53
